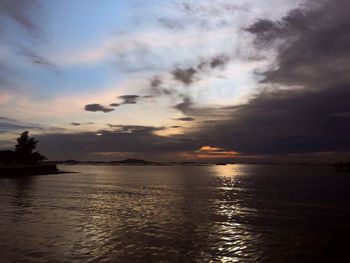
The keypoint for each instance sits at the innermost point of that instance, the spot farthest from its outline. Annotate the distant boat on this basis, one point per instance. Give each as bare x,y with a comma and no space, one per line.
221,163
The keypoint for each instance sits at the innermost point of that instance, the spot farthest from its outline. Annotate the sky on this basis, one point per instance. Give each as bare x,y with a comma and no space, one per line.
238,80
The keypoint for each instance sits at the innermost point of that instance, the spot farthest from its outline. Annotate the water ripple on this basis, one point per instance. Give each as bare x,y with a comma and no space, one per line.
236,213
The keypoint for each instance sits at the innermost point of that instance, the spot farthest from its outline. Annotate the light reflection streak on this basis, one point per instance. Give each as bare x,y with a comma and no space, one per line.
234,236
230,170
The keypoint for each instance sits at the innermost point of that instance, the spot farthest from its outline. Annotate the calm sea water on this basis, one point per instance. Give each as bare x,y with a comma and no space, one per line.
233,213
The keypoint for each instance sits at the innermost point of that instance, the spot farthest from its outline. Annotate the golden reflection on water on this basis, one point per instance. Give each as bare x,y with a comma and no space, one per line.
234,236
229,170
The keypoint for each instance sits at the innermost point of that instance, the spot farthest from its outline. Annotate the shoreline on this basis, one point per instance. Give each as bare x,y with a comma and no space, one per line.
15,170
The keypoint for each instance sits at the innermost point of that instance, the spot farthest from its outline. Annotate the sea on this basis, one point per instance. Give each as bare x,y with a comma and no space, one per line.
216,213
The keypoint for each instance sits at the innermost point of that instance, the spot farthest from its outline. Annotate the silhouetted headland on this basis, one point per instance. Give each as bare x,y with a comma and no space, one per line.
23,160
342,167
25,169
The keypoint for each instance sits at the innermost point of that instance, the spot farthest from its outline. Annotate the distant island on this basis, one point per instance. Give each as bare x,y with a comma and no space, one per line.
136,162
140,162
24,160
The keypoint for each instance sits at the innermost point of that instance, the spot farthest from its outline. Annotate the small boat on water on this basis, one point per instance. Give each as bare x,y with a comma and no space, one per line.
342,167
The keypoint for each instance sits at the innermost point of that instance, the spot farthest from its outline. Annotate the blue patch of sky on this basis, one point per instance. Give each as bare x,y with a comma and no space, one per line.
71,25
79,23
45,83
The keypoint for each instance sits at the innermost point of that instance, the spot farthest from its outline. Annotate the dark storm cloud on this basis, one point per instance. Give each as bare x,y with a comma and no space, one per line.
264,29
186,76
134,129
125,99
129,99
75,123
157,89
313,54
186,106
185,119
141,141
219,61
313,43
312,64
97,107
309,114
283,122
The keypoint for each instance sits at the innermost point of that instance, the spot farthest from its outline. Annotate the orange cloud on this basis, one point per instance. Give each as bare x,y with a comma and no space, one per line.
210,152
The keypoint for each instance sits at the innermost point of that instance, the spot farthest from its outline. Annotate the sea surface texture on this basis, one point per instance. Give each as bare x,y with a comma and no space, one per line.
223,213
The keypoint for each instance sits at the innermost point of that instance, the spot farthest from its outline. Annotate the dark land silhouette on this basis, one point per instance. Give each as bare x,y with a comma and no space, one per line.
24,160
342,167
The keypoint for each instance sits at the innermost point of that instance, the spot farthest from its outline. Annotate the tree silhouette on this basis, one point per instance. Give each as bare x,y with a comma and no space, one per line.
7,157
24,149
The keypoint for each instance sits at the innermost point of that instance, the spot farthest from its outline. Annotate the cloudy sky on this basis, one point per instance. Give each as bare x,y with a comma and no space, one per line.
178,79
